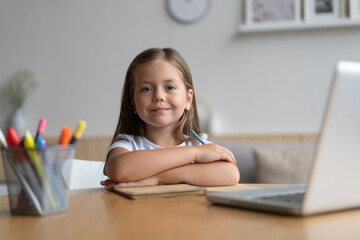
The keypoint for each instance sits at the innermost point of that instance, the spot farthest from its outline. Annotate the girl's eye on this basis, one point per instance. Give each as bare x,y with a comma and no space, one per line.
146,89
170,88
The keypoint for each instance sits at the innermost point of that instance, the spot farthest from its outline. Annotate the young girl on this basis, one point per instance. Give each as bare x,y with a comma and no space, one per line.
153,143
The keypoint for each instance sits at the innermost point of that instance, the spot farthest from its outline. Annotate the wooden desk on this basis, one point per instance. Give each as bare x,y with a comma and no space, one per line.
96,214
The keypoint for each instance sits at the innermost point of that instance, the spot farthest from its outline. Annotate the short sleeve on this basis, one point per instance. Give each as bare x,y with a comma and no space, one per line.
121,141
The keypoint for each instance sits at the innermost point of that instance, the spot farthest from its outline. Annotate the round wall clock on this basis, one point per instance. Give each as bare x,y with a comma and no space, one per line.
188,11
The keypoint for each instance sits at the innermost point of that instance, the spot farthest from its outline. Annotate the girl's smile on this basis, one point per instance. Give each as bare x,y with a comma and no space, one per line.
160,110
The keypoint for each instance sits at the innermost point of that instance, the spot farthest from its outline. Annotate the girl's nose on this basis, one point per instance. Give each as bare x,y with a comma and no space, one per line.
158,97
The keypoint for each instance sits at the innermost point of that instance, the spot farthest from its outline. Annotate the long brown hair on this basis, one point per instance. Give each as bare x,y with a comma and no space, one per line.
131,123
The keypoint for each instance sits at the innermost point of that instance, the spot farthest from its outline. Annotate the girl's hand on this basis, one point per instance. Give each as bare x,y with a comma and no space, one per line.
151,181
108,184
213,152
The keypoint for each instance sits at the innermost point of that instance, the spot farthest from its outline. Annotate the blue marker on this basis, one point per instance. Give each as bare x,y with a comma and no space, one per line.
197,136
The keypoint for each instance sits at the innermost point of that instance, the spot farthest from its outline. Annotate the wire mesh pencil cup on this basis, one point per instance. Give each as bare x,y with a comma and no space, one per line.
38,179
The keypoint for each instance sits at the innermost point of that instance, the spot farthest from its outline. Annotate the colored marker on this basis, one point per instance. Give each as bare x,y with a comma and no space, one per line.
197,136
64,140
41,129
14,140
65,136
29,144
48,167
13,137
32,182
78,131
31,192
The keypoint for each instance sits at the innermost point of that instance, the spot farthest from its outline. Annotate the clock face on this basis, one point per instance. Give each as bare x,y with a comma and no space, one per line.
188,11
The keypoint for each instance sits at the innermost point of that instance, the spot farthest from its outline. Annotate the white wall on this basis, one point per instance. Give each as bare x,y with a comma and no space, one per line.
80,49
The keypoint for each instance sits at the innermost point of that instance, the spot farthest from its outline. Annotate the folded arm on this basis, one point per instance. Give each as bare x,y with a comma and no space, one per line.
218,173
125,166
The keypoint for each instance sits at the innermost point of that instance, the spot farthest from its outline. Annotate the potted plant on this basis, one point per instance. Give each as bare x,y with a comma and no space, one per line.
17,87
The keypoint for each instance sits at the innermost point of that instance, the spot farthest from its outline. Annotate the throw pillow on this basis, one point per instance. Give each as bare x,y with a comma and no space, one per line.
283,166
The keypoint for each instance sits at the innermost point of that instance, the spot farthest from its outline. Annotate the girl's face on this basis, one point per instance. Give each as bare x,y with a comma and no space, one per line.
160,96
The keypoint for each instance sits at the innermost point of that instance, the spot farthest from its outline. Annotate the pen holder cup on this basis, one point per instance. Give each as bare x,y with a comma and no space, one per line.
38,179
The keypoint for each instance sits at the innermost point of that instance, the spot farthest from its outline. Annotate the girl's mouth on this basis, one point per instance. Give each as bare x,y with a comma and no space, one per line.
160,110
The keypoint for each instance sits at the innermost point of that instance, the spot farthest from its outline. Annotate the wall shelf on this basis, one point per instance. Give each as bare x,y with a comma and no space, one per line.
268,27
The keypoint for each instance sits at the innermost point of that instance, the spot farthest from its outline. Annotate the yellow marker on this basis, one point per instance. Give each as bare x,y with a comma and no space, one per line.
78,132
29,144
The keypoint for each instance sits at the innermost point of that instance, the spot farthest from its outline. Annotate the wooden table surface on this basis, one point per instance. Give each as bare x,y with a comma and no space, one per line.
97,214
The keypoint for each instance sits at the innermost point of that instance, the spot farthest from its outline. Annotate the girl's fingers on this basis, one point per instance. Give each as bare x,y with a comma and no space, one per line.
105,182
232,157
108,184
229,156
213,152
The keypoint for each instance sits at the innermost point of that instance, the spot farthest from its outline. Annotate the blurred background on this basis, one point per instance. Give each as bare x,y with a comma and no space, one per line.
270,82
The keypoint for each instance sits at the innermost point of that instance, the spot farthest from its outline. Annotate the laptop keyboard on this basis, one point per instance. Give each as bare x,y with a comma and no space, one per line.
293,197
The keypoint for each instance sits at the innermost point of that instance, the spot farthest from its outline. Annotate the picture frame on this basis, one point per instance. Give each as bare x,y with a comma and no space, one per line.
272,12
354,9
321,10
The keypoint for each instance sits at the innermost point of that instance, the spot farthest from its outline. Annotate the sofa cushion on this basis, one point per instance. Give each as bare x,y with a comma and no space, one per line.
244,154
286,166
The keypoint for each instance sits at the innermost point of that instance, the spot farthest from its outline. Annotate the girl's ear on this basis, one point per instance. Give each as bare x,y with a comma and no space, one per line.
189,98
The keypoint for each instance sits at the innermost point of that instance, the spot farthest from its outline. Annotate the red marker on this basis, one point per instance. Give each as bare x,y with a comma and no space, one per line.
13,137
65,136
19,156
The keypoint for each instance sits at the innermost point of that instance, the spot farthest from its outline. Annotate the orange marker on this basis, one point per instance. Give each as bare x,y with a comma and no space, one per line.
65,136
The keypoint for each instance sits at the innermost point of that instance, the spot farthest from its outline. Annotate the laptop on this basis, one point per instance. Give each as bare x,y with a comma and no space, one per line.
333,183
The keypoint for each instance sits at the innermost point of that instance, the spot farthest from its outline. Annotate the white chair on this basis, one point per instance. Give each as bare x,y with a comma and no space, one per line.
86,174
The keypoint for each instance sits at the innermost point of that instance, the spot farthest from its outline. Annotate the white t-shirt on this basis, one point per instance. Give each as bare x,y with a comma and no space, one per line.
133,143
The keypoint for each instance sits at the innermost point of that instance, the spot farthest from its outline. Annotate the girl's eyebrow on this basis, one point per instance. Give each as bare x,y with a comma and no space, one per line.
169,80
140,81
149,82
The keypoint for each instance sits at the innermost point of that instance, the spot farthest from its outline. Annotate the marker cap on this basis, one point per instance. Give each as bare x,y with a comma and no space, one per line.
65,136
80,129
28,140
42,125
13,137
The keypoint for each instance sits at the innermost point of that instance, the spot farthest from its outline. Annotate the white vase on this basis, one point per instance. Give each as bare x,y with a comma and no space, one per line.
18,120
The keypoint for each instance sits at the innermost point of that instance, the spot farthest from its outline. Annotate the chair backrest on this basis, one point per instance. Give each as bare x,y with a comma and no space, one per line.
86,174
